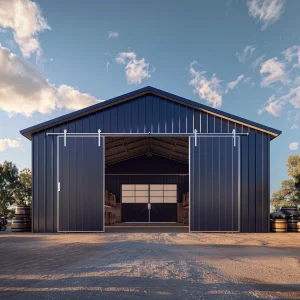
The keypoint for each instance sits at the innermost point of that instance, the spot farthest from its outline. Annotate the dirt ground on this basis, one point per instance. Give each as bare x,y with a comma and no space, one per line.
154,264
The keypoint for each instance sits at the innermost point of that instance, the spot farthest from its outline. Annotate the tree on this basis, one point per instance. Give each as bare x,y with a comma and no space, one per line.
9,180
23,193
289,193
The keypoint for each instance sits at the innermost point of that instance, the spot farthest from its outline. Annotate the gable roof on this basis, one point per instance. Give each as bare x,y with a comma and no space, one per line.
146,90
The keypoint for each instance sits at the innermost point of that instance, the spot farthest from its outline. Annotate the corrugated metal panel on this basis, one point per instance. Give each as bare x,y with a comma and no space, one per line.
81,177
151,113
145,93
214,184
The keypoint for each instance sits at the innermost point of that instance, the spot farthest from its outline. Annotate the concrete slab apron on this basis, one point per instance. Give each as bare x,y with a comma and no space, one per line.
158,265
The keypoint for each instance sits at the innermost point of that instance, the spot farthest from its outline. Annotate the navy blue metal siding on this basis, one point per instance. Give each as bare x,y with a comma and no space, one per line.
155,114
214,201
81,177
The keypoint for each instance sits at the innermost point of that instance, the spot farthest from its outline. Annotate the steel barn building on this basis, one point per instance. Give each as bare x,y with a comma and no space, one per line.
149,148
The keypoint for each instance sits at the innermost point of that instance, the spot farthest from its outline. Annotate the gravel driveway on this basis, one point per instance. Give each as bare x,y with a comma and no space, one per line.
153,264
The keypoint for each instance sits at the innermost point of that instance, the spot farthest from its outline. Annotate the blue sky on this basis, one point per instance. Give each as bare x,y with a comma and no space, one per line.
242,57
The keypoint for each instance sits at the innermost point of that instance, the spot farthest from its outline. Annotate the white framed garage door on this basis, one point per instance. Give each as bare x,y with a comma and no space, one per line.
149,193
155,203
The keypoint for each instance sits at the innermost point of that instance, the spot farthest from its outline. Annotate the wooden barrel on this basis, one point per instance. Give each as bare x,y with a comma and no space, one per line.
22,210
279,225
298,226
292,224
289,210
106,218
106,197
112,218
20,224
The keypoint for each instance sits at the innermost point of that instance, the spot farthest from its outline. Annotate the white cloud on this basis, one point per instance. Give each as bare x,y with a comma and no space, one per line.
2,30
246,55
266,12
297,80
72,99
295,126
293,97
293,146
291,53
136,70
25,19
273,106
123,56
258,61
8,143
274,70
209,90
24,90
51,59
249,81
113,35
107,65
231,85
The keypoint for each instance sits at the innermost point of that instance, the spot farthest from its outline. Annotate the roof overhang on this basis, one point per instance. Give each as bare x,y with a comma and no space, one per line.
28,132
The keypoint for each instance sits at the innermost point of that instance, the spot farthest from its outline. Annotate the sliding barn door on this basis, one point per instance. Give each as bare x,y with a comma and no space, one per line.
81,175
214,183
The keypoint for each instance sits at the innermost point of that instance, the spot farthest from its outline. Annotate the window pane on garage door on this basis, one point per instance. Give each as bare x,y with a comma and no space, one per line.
135,193
163,193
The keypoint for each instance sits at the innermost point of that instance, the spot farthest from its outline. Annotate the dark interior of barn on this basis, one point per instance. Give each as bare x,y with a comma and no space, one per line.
146,181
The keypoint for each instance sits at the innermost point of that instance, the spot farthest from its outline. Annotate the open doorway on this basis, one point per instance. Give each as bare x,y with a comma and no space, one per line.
148,177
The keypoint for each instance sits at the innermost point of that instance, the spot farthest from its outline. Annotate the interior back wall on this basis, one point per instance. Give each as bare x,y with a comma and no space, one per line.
147,170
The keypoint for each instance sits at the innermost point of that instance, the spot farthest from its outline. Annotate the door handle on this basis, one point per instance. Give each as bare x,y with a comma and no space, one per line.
149,206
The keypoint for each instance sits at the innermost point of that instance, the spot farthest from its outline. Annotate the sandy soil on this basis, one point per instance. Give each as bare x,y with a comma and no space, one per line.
154,264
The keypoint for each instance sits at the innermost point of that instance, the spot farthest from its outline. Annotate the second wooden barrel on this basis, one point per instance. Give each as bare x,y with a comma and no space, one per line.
279,225
292,224
289,210
22,210
20,224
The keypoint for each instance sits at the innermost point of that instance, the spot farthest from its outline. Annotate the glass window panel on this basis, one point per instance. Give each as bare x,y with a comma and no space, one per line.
128,193
141,187
156,187
141,200
141,193
128,200
170,187
128,187
170,193
170,200
156,200
156,193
